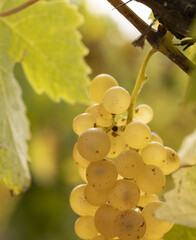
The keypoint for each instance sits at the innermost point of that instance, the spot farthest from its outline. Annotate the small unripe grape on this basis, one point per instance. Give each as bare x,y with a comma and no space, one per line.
85,227
102,174
152,180
154,153
116,100
171,162
137,135
124,195
93,144
146,199
130,224
95,197
82,122
78,202
155,227
129,164
143,113
104,220
99,85
82,162
118,143
156,138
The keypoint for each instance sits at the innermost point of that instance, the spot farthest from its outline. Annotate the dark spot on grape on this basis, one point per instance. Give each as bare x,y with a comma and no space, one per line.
95,125
153,170
136,110
146,137
142,224
133,165
115,128
97,151
173,154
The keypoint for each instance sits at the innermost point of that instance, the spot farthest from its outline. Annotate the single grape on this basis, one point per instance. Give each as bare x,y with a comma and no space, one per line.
124,195
171,162
147,198
154,153
137,135
143,113
103,122
129,225
118,143
78,202
82,122
155,227
116,100
93,144
82,162
95,197
99,85
94,110
103,113
85,227
129,164
156,138
104,220
152,180
102,174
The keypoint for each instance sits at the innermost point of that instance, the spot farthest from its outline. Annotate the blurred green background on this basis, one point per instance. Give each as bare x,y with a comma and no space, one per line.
43,212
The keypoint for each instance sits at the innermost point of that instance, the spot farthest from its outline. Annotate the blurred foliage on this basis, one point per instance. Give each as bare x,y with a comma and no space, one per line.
43,212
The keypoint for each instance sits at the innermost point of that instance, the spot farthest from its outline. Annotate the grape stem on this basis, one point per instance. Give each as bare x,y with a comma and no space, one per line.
141,79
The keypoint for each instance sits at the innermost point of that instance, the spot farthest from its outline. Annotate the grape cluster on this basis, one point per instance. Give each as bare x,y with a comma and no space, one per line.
124,167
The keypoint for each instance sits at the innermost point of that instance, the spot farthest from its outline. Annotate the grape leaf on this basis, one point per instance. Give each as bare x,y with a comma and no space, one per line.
179,232
187,151
180,206
14,130
45,39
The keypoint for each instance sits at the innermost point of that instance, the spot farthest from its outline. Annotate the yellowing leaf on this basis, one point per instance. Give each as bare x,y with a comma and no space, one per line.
180,206
14,130
45,39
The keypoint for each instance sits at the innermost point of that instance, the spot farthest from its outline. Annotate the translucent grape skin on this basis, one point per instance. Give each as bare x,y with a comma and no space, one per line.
78,202
152,180
99,85
104,220
156,138
130,224
124,195
82,162
116,100
102,174
137,135
95,197
155,227
146,199
82,122
154,153
85,227
93,144
129,164
143,113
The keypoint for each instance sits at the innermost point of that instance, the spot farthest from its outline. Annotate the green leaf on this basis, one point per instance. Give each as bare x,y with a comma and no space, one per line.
179,232
14,130
45,39
180,206
187,151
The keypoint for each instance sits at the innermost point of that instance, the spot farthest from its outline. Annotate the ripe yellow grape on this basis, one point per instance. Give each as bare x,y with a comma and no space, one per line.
124,195
82,173
130,225
155,227
129,164
99,85
116,100
156,138
104,220
95,197
82,162
93,144
137,135
154,153
143,113
152,179
85,227
118,143
102,174
82,122
146,199
103,113
94,110
78,202
103,122
171,162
